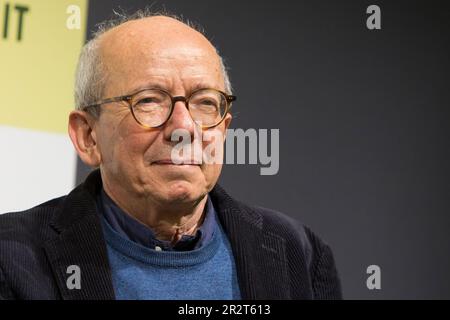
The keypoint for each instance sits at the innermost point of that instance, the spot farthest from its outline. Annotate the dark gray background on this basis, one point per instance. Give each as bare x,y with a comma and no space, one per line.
364,123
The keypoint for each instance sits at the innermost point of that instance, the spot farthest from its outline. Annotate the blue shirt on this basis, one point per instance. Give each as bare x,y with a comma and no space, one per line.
133,230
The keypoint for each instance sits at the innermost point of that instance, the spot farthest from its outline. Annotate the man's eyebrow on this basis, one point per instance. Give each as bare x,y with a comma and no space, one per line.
191,88
202,85
150,86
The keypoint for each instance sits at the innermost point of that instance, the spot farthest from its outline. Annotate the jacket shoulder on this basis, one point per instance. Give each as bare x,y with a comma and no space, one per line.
304,244
24,269
28,223
295,230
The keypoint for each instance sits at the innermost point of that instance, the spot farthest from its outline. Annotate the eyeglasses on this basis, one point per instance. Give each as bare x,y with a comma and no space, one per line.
151,108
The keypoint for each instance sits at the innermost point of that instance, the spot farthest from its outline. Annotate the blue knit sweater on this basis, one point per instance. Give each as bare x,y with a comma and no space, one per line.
146,274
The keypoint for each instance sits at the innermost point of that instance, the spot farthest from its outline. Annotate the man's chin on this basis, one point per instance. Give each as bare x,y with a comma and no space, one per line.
179,192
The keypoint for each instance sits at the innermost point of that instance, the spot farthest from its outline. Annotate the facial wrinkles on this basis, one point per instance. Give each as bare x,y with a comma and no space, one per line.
179,69
179,77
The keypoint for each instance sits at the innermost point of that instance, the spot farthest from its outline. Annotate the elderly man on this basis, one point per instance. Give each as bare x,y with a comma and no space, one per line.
151,223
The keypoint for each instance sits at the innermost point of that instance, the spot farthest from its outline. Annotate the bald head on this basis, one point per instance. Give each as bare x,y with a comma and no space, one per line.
122,57
153,32
158,51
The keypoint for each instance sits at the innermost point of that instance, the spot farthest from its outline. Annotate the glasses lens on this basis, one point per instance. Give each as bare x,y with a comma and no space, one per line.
207,107
151,107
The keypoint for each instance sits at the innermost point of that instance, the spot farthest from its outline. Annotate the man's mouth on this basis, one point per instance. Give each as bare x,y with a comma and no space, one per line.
177,162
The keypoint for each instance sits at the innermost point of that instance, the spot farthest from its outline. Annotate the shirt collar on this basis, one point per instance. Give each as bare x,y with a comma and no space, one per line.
136,231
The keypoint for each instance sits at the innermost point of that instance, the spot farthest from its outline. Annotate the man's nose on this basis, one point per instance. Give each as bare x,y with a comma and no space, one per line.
179,119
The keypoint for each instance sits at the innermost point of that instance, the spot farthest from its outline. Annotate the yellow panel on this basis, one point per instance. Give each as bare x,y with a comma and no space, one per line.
37,71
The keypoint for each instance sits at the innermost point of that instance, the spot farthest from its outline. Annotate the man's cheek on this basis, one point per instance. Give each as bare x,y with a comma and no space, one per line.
213,147
211,170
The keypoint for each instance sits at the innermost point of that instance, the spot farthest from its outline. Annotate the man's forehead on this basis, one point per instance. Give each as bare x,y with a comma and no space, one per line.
150,49
153,35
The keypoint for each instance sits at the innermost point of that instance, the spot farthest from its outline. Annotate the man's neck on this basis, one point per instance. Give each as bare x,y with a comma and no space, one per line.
168,222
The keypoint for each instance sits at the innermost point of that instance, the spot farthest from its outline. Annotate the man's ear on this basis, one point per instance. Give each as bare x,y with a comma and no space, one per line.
83,136
227,122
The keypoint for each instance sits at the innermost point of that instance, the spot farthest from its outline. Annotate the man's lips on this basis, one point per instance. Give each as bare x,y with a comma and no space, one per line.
177,162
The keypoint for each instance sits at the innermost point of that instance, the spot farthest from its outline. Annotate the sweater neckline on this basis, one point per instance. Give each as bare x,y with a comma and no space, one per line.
149,256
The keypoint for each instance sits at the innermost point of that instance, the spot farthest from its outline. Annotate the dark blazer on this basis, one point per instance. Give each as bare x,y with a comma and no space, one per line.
276,257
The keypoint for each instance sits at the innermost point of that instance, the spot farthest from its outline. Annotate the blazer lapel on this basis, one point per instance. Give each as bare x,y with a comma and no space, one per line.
79,242
260,256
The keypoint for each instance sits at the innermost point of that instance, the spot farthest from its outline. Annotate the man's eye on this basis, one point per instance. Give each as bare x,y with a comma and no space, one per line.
208,102
147,100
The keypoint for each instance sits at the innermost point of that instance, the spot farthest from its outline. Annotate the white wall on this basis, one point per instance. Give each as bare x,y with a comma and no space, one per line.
35,167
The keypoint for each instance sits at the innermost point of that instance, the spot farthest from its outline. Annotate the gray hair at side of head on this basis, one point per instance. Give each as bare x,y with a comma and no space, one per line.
90,74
